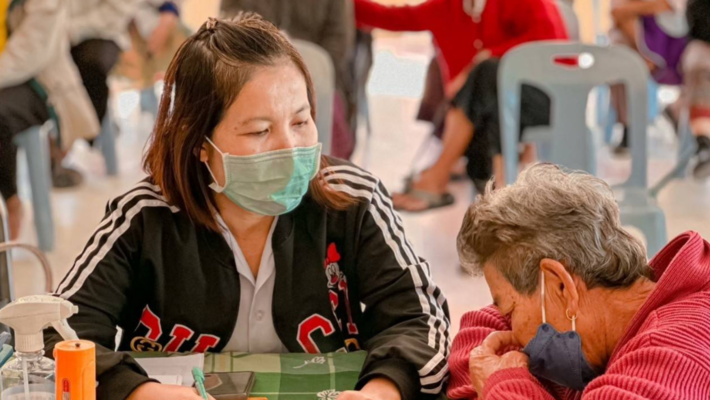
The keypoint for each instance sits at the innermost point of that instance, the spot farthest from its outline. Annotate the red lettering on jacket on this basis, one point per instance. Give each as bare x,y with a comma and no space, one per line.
152,322
204,343
180,334
309,326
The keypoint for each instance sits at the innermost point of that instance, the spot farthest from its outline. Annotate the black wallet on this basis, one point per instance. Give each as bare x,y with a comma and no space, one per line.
229,385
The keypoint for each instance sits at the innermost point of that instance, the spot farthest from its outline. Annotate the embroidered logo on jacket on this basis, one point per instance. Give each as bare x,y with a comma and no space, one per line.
337,285
340,304
180,339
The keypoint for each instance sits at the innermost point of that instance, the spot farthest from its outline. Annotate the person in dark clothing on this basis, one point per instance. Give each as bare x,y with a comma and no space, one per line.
20,109
489,30
244,238
95,58
478,100
38,81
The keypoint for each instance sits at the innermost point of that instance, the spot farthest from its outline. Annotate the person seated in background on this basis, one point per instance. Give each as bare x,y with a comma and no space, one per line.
36,69
671,36
94,27
579,312
657,30
156,33
98,30
472,36
99,33
247,239
329,24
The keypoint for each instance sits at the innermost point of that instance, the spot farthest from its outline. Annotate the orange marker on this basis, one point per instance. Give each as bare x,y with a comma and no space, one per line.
76,370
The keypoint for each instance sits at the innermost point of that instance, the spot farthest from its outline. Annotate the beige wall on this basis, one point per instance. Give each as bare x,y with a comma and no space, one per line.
197,11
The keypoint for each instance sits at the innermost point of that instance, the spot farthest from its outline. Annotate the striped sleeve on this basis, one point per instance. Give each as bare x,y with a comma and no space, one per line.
406,314
102,284
120,212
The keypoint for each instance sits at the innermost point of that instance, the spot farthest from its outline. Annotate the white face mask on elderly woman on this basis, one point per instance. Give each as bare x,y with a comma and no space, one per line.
556,356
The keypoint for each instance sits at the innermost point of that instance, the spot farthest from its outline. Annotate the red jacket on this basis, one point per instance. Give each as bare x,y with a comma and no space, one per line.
503,25
664,353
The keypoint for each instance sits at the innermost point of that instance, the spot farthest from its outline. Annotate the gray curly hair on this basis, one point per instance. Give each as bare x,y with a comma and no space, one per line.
571,217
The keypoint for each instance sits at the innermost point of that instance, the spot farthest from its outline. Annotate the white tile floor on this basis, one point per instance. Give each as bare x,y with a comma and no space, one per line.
396,82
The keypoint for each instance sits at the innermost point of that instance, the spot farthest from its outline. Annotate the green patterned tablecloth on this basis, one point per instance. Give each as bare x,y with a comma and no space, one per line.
290,376
293,376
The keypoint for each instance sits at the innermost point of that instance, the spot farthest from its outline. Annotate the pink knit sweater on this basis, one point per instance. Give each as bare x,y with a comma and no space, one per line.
664,354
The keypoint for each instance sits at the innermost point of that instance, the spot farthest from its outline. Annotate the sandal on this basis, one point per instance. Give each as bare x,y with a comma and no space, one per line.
432,200
64,178
409,181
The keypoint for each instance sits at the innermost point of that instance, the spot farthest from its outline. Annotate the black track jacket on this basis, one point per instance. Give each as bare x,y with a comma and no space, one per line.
344,280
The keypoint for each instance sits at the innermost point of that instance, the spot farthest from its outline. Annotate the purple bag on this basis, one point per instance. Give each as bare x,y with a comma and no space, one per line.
664,50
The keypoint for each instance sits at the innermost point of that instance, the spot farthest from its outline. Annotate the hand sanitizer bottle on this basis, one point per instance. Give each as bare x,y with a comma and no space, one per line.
30,376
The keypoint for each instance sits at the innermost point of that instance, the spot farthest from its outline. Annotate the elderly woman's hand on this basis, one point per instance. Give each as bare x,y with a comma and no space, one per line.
485,361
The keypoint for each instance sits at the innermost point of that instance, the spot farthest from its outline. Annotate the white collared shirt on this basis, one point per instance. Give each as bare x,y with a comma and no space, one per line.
254,331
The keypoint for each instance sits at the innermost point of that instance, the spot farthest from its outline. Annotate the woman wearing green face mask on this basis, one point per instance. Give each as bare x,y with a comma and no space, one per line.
245,238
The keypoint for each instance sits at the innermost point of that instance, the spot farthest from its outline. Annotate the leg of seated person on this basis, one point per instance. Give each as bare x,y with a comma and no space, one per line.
696,96
624,33
472,105
95,58
20,109
457,136
696,90
8,181
526,158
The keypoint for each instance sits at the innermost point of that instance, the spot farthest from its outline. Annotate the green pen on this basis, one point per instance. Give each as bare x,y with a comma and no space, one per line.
200,382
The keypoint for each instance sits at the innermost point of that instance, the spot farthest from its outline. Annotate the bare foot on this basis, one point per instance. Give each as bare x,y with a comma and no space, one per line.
15,211
429,181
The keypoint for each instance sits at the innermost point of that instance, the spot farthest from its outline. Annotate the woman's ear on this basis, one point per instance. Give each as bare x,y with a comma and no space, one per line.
560,285
204,154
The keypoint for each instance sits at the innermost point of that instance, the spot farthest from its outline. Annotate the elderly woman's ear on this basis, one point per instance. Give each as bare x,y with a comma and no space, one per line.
562,289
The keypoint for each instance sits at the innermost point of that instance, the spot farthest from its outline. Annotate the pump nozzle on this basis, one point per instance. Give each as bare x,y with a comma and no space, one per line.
30,315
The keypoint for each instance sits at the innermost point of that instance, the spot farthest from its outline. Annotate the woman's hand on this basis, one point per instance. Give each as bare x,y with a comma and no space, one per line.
485,361
376,389
152,390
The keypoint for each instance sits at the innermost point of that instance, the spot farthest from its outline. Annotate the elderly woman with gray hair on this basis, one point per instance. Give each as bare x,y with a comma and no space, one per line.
578,311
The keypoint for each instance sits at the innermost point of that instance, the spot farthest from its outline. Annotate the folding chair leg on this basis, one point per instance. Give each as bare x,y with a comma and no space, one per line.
36,148
107,143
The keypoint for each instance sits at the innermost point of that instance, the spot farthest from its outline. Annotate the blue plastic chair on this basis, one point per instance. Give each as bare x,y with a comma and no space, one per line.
320,65
34,142
570,142
149,102
106,142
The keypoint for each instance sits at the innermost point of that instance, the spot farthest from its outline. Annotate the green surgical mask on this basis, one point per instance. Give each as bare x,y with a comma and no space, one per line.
271,183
